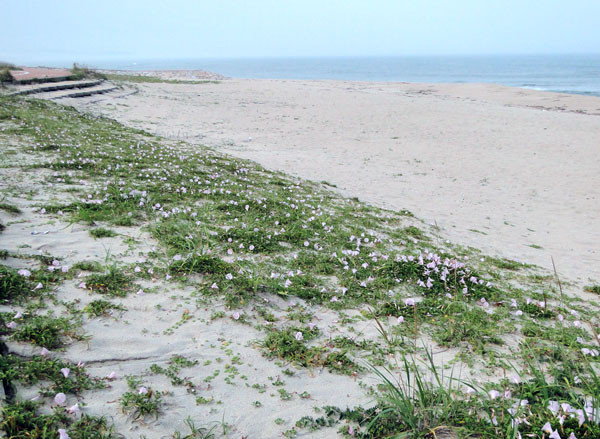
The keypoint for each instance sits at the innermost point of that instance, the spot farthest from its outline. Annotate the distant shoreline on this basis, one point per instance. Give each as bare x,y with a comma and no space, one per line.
572,74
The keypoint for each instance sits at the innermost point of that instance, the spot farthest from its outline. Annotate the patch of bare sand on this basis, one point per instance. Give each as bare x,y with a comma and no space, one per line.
511,171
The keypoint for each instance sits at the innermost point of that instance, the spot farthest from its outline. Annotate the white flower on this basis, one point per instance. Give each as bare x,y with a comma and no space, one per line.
60,398
299,336
229,276
409,302
554,435
65,371
25,273
547,428
142,391
177,258
400,319
62,433
236,315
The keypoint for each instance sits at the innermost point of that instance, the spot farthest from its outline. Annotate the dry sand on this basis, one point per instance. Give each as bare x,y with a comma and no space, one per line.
514,172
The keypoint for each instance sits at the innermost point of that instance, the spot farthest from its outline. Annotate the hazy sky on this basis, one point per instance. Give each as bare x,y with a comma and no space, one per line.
76,30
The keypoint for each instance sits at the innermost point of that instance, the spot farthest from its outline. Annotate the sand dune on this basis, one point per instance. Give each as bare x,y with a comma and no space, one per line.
513,172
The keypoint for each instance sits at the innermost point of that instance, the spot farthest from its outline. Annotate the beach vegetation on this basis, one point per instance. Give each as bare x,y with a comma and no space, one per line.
140,401
593,289
235,244
113,282
9,207
140,79
83,72
101,308
101,232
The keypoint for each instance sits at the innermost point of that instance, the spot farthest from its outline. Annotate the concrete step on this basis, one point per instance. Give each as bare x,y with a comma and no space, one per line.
53,86
77,93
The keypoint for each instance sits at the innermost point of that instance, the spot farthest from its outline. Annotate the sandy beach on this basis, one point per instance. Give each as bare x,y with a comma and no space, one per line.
194,285
511,171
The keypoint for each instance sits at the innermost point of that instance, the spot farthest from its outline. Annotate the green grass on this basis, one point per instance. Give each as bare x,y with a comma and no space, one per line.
24,420
140,402
101,308
9,207
44,331
593,289
101,232
34,370
114,282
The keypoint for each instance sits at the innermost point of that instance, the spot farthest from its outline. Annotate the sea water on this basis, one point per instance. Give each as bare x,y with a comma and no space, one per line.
579,74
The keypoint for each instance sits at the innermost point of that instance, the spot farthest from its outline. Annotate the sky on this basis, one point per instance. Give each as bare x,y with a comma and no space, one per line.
38,31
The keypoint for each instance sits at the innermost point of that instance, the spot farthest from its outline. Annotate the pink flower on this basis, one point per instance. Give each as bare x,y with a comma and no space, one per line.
65,371
112,376
82,285
11,325
142,391
74,409
547,428
45,352
229,276
177,258
39,286
62,433
25,273
409,302
554,435
350,430
18,315
236,315
299,336
60,398
494,394
400,319
64,268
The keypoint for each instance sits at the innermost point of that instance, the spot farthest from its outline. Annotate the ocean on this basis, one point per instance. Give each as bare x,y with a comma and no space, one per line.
578,74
